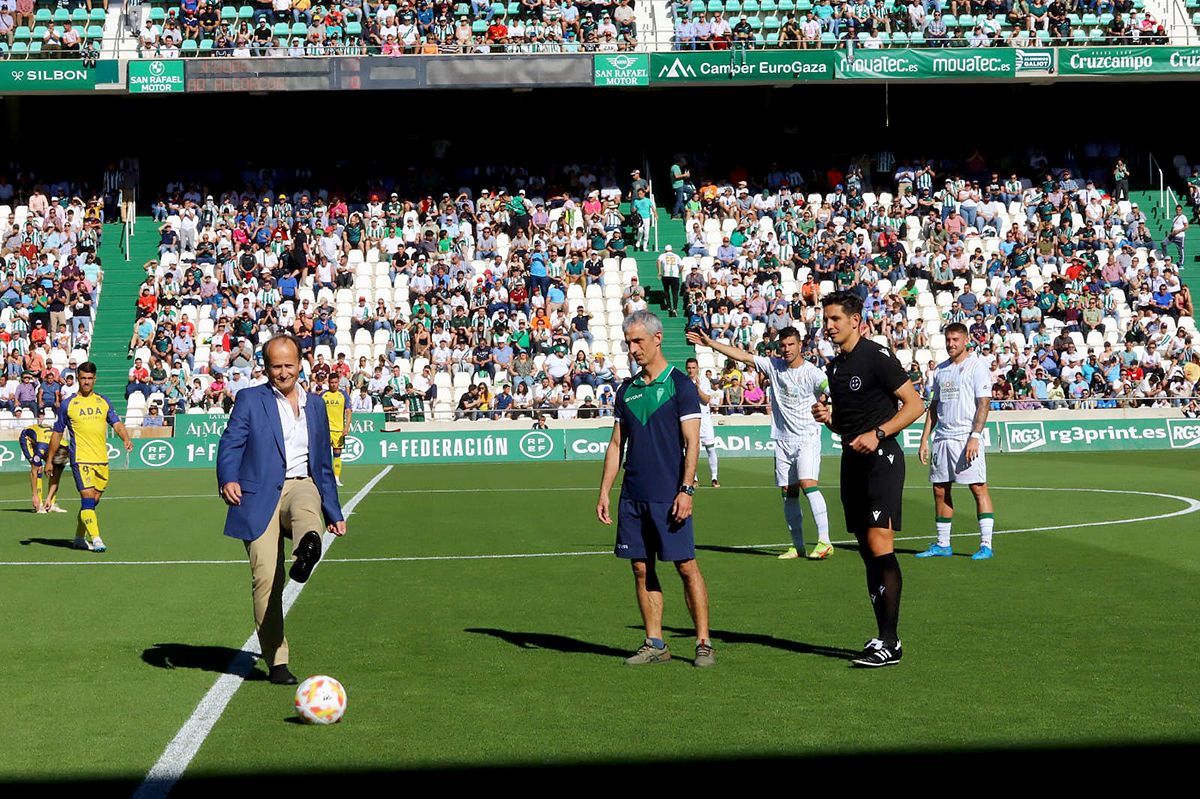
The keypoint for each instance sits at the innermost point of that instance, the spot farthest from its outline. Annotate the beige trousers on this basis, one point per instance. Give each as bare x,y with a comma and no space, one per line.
298,512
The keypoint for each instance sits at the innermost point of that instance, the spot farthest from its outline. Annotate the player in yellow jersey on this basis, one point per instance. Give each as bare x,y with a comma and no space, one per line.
337,404
87,416
35,446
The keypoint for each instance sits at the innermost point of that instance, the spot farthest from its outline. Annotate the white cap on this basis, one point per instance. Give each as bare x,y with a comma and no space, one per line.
668,248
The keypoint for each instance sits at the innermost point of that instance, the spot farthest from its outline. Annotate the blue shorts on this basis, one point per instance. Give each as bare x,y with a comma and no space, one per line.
646,529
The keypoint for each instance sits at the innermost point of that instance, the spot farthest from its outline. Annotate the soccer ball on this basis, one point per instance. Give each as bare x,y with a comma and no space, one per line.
320,700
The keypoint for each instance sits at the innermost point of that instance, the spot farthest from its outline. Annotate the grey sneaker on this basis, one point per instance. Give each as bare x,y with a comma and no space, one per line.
704,656
649,654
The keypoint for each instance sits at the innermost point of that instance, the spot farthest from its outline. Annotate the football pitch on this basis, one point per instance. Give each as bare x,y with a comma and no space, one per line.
477,617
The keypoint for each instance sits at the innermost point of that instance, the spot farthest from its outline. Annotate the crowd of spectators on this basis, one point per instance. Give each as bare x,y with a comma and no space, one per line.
414,301
50,279
1061,285
878,23
296,28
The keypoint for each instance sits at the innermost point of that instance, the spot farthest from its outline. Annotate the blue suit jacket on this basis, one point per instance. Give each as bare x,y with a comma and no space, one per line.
252,454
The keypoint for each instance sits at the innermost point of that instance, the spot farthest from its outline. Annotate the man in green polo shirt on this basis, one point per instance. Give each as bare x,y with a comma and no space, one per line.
658,427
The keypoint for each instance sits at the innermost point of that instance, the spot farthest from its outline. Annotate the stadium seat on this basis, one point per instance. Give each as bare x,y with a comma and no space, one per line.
43,15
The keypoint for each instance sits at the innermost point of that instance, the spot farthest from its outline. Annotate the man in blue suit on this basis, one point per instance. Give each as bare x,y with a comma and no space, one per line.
275,472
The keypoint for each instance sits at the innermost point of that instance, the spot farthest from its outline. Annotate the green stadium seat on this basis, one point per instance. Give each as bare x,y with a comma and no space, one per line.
755,23
773,39
1075,20
22,33
299,29
514,9
158,15
3,48
95,32
1107,18
916,39
96,15
19,48
354,29
1096,36
715,6
1078,36
79,15
828,38
39,33
1139,5
759,41
769,6
966,21
498,9
1043,37
862,36
1089,20
189,48
479,27
734,6
900,39
1196,18
462,10
246,12
771,23
206,46
61,15
751,7
281,29
787,6
951,21
885,37
697,6
35,48
228,13
804,5
43,15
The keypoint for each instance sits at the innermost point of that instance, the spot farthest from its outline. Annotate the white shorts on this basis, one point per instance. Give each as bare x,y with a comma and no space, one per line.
948,462
707,436
797,460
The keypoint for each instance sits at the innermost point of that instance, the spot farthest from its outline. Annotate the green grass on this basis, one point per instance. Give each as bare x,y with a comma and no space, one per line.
1077,636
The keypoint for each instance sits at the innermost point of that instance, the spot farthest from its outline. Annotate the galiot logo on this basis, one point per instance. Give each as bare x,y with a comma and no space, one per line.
1024,436
1034,60
1183,432
677,69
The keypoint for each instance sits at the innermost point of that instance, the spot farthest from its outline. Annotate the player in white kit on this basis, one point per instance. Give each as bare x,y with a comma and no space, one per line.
708,438
962,394
795,386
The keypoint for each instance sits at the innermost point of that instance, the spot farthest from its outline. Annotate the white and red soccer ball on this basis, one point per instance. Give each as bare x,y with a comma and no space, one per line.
320,700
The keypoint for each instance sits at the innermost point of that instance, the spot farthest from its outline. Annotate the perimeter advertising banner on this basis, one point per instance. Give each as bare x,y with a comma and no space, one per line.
973,63
367,444
1128,60
741,66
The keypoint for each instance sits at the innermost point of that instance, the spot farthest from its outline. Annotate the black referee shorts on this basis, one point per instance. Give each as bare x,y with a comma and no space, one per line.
873,487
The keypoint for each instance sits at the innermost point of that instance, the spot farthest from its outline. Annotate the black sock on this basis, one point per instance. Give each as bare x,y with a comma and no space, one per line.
873,583
887,596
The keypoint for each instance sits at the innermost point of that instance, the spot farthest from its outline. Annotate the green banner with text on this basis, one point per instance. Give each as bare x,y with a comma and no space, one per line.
1128,60
480,445
973,63
749,66
54,75
156,76
621,69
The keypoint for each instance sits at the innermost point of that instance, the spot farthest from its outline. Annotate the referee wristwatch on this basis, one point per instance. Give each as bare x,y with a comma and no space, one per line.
689,490
880,434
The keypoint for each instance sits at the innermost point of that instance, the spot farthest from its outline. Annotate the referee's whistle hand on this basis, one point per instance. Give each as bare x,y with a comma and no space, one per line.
865,444
231,493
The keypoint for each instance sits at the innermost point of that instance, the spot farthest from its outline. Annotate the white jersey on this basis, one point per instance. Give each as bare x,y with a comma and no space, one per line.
793,393
707,434
956,387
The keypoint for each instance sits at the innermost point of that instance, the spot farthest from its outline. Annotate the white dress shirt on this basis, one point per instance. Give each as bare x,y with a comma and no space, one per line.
295,433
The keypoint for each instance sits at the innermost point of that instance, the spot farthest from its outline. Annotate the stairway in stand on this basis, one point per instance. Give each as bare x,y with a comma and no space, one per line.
118,305
1158,221
670,231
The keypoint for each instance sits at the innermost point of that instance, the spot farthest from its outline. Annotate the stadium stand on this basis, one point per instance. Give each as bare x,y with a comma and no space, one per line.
50,285
418,302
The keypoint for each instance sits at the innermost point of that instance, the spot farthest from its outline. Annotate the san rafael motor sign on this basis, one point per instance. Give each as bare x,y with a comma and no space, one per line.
624,69
46,76
156,77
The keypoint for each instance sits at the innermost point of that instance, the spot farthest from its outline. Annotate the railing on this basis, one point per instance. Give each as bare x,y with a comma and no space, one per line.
1153,167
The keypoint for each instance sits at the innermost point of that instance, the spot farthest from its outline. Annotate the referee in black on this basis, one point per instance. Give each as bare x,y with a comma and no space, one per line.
872,402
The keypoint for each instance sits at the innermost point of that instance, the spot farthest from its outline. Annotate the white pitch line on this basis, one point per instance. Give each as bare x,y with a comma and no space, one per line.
187,742
1191,506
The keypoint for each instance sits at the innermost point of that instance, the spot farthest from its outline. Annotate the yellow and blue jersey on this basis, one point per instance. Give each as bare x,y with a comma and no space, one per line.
87,419
336,403
35,444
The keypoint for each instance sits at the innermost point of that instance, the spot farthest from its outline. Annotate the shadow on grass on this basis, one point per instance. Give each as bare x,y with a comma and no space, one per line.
558,643
217,659
757,639
61,543
738,550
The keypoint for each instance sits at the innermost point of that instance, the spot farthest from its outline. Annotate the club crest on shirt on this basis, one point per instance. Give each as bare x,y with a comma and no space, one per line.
855,383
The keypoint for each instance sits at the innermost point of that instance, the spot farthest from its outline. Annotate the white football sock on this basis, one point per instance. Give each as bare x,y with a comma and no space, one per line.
820,512
943,531
795,521
986,522
711,451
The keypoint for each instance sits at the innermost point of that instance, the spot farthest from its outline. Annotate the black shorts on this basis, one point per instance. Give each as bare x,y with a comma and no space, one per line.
873,487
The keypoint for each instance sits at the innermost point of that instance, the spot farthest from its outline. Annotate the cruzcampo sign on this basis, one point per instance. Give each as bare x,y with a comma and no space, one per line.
1128,60
623,69
157,76
741,66
46,76
972,63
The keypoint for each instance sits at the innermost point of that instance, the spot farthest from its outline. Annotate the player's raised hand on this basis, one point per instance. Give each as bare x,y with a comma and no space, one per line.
602,510
698,338
923,452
